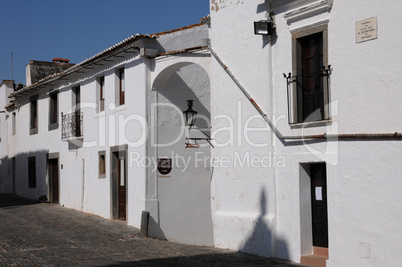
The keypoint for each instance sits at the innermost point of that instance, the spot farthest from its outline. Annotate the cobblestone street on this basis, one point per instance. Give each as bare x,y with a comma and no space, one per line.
33,234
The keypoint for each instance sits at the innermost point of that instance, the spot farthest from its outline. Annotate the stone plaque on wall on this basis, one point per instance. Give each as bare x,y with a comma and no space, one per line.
366,30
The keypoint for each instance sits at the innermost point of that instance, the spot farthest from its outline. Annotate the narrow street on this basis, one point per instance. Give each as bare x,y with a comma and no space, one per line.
33,234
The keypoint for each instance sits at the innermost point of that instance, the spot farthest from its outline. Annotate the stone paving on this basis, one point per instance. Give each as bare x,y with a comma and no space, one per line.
33,234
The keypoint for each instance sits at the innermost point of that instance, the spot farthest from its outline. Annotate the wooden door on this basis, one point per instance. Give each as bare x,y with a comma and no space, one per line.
319,204
122,188
54,180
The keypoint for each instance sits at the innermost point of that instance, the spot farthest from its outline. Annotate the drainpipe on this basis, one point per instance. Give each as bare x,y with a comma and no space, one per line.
279,135
273,142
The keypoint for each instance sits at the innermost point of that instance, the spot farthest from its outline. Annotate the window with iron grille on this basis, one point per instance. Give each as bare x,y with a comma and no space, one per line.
309,99
71,125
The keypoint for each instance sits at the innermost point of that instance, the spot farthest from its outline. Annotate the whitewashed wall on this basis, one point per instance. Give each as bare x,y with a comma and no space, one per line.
244,206
183,196
363,199
80,186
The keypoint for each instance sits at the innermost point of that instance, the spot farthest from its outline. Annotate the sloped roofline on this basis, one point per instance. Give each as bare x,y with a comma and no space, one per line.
99,55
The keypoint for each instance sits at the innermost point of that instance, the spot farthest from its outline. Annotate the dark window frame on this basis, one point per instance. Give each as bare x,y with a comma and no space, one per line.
53,111
102,164
101,99
76,90
300,94
33,120
122,86
13,123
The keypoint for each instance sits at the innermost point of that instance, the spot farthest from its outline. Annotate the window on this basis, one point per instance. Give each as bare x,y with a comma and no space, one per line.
121,87
102,164
76,98
77,106
101,93
310,88
34,115
32,172
53,111
13,121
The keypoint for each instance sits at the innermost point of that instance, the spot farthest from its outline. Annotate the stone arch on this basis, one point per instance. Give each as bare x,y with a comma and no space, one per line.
184,195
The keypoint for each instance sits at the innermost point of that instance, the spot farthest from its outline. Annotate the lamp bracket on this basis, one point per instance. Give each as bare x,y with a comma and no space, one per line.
189,144
269,16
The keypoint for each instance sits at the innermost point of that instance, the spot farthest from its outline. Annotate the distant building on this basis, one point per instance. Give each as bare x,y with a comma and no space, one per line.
294,152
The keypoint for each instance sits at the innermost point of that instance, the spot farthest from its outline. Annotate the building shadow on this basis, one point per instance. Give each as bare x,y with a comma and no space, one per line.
23,178
177,92
211,259
9,201
261,241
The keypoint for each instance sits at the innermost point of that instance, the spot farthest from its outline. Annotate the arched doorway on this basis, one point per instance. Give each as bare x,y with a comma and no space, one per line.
183,194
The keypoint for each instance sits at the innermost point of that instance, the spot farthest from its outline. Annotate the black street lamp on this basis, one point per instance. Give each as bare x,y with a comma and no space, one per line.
190,115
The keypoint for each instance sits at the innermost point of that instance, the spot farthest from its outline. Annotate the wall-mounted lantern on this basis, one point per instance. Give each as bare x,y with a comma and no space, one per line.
263,27
189,119
190,115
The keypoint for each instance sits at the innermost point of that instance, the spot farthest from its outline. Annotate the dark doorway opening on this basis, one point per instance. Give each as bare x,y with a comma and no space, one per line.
119,185
318,175
54,180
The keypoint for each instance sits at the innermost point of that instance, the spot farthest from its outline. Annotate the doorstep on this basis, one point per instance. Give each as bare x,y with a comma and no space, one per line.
318,259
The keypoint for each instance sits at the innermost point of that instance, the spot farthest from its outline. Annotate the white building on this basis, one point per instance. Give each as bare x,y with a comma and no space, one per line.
343,159
81,136
303,161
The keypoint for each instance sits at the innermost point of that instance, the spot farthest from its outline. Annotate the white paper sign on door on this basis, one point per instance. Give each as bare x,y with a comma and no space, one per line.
318,193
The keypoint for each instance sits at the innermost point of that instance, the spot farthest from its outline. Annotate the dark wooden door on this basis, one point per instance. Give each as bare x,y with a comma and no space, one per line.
319,204
122,188
54,179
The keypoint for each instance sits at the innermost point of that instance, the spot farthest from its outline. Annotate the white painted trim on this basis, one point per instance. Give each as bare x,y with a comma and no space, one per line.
308,10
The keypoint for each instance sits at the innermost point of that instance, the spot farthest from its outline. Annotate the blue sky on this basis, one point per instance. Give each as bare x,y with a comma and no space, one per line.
78,29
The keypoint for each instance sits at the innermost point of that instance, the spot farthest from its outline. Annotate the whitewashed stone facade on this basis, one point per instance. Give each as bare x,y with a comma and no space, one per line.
267,210
160,75
252,191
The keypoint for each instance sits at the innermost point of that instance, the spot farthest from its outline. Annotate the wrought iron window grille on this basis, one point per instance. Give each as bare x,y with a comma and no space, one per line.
327,71
72,125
